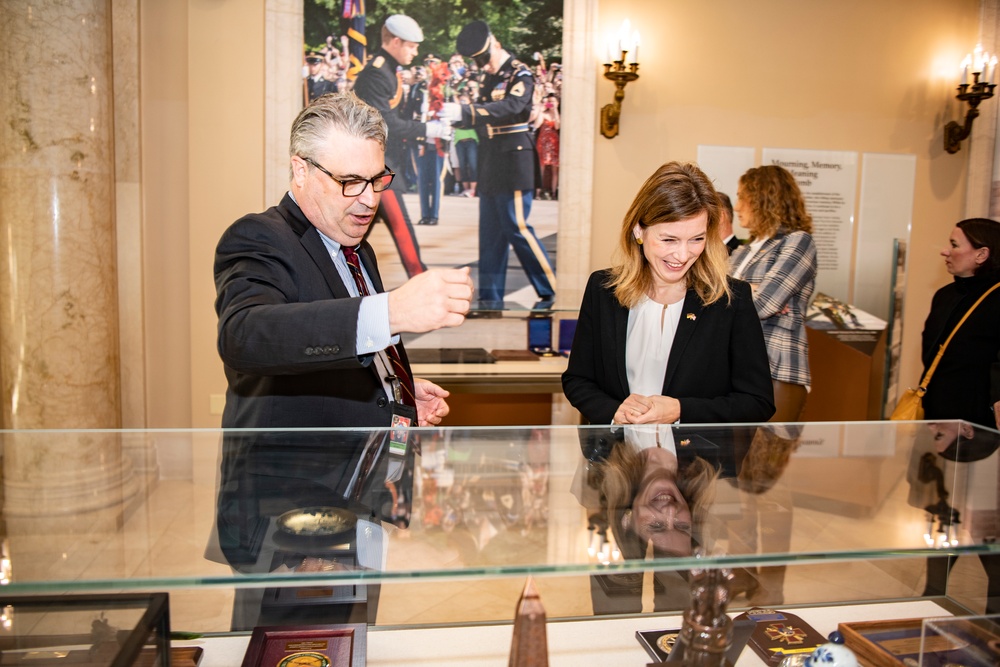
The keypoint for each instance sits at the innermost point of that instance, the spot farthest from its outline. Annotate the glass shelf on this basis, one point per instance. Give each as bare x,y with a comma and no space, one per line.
87,511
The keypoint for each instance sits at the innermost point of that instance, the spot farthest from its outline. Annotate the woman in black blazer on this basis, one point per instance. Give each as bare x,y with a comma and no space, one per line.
664,335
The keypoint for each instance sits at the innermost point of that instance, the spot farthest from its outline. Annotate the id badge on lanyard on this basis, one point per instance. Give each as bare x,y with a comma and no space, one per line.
403,417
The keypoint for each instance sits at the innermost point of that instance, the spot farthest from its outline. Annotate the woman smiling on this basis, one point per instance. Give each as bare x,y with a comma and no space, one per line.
664,335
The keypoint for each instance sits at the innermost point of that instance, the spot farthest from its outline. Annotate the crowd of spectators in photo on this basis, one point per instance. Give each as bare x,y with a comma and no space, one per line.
326,70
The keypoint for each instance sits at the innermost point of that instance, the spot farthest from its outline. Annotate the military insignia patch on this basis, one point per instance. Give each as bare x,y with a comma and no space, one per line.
378,62
518,89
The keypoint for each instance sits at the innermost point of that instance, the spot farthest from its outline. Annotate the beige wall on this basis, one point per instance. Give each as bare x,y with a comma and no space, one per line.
166,226
874,77
855,76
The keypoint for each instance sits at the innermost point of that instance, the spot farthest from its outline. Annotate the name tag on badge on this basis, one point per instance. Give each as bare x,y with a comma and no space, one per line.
403,417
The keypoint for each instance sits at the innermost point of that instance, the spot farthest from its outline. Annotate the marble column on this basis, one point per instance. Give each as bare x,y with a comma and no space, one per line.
58,294
59,354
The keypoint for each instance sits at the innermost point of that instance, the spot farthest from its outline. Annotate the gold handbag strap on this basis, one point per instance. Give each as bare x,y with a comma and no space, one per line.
930,371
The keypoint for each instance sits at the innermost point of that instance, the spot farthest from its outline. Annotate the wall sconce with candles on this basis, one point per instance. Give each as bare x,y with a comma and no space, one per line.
616,70
984,71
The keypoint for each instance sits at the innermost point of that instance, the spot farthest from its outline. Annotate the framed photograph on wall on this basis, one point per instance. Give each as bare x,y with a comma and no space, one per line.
449,196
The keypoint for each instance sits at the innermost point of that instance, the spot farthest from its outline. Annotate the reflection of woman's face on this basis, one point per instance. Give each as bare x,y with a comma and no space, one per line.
660,513
946,433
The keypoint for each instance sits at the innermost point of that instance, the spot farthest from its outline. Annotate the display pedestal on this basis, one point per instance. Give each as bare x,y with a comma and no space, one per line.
848,375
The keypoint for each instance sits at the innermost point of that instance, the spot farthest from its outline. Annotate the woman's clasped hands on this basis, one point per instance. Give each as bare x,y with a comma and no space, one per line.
639,409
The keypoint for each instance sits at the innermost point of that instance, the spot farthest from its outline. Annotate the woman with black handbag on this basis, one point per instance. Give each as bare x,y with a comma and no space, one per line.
965,383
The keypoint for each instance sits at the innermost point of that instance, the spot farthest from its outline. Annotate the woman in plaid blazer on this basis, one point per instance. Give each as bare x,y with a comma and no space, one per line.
780,265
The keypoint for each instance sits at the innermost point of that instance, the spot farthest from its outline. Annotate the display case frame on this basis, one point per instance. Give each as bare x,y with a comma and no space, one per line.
147,642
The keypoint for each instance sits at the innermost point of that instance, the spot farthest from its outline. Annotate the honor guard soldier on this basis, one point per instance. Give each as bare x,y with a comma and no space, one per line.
316,83
379,85
507,167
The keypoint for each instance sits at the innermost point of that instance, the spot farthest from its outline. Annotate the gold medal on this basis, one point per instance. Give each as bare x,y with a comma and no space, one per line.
665,642
306,659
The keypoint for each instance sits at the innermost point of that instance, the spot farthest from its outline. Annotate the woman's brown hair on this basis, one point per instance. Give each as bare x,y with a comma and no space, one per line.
676,191
775,202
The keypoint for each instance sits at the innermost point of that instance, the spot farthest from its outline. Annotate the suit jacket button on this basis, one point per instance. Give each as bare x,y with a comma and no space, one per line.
328,350
335,349
382,402
309,351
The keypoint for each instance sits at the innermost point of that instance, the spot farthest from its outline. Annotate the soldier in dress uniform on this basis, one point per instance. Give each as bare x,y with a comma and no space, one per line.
379,85
316,83
508,166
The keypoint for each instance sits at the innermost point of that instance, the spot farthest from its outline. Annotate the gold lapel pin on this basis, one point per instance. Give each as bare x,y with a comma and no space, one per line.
692,316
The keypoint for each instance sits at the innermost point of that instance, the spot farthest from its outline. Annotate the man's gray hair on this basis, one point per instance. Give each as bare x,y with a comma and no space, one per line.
340,111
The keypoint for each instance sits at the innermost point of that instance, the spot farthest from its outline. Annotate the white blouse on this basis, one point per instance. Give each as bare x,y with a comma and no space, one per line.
649,337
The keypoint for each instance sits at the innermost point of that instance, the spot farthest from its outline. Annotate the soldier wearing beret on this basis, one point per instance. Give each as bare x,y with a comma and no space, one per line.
507,166
378,84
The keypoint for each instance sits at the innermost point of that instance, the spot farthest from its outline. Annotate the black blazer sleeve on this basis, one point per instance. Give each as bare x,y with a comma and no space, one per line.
287,329
722,373
276,314
592,382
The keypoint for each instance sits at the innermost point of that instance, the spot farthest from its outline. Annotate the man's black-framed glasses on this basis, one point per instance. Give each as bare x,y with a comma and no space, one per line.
355,186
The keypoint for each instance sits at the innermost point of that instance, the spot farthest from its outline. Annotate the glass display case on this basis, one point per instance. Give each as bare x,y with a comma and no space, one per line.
109,630
252,528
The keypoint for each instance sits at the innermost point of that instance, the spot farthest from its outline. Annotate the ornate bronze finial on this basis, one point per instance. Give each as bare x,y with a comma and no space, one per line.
707,632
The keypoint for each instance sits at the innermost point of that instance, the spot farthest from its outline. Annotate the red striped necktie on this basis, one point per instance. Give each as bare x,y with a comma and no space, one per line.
398,367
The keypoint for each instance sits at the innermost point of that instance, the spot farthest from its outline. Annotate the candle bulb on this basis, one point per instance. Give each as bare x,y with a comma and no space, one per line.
635,46
623,39
993,70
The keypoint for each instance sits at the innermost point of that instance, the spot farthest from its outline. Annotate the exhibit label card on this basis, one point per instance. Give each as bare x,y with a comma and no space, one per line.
828,180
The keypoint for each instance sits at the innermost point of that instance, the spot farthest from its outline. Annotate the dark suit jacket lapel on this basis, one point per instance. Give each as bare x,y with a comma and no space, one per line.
313,244
685,330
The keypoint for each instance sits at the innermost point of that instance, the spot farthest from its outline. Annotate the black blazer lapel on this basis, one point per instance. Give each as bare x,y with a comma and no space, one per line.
686,327
619,337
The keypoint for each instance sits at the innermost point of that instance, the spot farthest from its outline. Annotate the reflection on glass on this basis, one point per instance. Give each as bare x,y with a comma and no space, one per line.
309,502
953,477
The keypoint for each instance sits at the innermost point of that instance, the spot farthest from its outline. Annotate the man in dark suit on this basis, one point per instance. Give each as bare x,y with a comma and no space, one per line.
726,224
508,167
379,85
302,343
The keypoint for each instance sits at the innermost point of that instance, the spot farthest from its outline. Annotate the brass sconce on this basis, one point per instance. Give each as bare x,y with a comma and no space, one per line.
983,75
616,70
